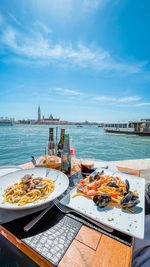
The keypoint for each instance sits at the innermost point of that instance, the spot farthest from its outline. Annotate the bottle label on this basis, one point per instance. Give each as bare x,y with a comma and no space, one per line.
66,164
64,158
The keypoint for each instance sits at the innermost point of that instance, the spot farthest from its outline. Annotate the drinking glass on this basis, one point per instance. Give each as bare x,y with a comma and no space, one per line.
49,160
52,161
87,166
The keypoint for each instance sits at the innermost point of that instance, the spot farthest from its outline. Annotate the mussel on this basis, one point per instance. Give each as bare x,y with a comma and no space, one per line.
112,183
102,200
96,175
40,185
129,200
127,186
29,185
37,180
27,178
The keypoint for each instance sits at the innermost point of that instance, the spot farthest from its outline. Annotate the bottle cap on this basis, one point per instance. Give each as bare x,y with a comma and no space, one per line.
73,151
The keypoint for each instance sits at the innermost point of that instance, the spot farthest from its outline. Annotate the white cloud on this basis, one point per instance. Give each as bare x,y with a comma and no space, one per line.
37,47
116,100
143,104
129,99
43,27
66,8
15,19
59,89
9,38
62,91
94,4
104,98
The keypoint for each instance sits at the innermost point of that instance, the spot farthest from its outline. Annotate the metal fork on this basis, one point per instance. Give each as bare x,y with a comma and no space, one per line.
67,210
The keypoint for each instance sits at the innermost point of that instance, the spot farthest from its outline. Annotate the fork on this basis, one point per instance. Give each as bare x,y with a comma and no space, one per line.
67,210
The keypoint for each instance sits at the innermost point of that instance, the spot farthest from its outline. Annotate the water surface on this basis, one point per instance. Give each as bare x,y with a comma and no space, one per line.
18,143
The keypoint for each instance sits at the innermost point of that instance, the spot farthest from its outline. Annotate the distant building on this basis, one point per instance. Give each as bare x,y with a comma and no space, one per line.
39,113
64,123
49,120
23,122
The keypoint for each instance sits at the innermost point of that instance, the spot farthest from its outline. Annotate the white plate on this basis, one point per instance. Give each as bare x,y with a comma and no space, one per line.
7,169
123,220
61,185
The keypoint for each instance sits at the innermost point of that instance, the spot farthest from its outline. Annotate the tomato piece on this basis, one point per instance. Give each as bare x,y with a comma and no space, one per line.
114,195
102,181
82,182
117,178
94,186
85,190
91,192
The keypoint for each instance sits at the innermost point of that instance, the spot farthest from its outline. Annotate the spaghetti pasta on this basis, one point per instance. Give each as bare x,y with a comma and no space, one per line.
30,189
106,190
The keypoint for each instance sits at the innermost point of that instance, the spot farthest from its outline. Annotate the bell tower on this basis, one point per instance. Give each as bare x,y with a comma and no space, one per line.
39,113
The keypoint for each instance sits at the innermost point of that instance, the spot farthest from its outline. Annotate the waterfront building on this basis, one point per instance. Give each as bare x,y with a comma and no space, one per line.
64,123
50,120
39,114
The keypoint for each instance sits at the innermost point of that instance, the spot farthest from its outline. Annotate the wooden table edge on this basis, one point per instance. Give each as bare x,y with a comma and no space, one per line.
25,248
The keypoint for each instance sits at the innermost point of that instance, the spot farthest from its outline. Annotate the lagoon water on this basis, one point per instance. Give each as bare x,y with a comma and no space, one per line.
19,142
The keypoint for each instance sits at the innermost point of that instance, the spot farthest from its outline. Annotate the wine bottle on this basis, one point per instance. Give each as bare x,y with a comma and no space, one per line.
51,146
61,143
66,156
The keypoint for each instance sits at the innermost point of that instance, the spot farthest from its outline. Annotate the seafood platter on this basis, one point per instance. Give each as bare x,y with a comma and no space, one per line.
116,200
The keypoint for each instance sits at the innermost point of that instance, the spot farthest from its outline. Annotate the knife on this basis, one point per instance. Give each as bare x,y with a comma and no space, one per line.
29,225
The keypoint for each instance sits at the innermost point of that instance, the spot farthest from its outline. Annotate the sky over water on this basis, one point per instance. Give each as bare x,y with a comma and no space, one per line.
79,60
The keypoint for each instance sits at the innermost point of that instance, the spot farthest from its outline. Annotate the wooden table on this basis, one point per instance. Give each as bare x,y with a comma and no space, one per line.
89,248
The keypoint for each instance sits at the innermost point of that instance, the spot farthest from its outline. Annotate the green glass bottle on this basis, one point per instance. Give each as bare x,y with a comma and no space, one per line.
66,156
51,147
61,143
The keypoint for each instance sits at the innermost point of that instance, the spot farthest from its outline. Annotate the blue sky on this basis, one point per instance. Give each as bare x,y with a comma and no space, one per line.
77,59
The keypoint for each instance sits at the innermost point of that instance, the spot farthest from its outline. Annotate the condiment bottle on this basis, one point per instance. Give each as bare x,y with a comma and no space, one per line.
51,146
73,155
61,143
66,156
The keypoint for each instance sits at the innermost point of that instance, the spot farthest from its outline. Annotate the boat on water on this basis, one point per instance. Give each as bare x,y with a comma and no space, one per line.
6,123
141,128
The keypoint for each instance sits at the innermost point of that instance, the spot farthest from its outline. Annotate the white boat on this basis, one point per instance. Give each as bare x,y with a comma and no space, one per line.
6,123
130,127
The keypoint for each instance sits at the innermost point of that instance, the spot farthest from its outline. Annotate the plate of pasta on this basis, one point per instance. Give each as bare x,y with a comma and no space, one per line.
30,188
116,200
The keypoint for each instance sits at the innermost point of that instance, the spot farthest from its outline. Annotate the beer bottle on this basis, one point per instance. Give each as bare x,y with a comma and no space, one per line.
66,156
61,143
51,150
